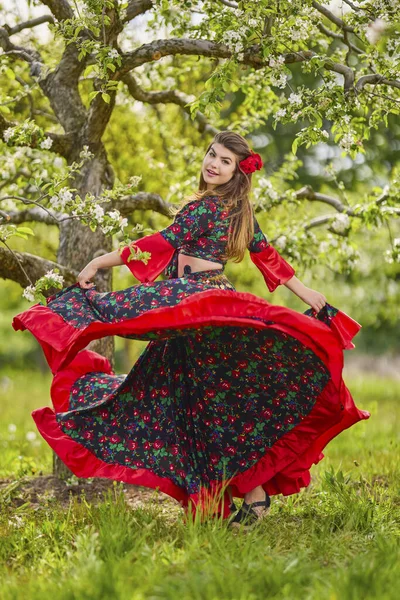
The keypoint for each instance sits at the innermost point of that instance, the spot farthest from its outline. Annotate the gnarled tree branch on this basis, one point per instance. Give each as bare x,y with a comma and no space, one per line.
37,214
144,201
252,56
32,57
35,267
165,97
307,193
375,79
137,7
333,18
29,24
61,9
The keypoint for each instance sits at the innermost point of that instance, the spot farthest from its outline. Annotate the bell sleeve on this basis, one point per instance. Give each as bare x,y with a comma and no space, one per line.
189,223
276,271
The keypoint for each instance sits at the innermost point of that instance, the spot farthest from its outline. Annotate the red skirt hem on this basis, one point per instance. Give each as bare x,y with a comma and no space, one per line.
61,341
284,468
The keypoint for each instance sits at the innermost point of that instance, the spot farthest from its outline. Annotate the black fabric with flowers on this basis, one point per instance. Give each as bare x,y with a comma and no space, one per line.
197,405
201,230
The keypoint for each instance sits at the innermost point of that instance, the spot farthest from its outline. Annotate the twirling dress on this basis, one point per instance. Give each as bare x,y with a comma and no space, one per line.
230,389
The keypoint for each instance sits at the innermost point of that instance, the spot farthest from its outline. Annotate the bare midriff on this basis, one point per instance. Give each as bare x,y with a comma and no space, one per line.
196,264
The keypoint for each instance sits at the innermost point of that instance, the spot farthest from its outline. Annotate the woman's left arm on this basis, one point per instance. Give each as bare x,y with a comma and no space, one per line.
315,299
112,259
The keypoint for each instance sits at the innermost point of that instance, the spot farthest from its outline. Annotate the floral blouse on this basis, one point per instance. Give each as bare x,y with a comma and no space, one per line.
201,229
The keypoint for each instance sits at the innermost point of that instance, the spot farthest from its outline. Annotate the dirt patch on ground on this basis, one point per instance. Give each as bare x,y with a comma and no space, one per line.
41,490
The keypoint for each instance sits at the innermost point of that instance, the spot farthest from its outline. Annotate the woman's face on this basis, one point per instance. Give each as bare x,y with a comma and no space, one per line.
218,166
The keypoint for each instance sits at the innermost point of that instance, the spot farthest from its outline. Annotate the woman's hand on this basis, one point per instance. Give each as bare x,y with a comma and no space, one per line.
86,275
315,299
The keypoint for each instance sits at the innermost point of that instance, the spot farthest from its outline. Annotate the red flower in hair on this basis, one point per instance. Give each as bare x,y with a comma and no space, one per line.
251,163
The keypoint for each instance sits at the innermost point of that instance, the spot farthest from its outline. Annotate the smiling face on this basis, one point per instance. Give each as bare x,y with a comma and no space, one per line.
218,166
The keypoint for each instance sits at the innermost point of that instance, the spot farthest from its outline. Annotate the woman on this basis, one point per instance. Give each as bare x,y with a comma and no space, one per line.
233,396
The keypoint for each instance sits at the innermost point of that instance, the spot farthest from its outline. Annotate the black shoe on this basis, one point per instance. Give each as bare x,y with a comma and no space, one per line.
246,517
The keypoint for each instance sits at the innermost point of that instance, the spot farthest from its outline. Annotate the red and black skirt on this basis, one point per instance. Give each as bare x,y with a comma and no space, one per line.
230,389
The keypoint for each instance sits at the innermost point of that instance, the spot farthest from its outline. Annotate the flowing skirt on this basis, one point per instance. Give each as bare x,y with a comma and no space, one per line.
230,390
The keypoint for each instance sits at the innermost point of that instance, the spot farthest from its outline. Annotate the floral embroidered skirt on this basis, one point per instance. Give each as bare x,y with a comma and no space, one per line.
231,390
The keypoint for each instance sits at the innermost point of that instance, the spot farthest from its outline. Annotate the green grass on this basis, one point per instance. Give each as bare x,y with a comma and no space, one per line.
336,540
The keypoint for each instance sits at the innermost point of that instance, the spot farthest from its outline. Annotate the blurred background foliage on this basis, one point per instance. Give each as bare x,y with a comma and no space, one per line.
161,144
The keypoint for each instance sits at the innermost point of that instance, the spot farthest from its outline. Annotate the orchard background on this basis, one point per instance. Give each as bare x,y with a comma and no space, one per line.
106,110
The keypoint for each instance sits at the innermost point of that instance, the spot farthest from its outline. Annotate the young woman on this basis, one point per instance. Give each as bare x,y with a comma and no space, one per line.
233,396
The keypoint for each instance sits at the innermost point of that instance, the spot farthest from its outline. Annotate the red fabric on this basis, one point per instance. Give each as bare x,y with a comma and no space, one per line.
345,328
61,341
161,254
63,380
275,269
284,469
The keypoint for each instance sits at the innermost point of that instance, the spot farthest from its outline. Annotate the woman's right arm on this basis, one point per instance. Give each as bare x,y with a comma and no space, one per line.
112,259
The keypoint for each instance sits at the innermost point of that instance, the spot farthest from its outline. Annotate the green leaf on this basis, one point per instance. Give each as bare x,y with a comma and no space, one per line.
88,70
9,73
27,230
93,95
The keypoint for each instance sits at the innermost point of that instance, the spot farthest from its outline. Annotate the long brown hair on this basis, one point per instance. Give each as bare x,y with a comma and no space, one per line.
234,194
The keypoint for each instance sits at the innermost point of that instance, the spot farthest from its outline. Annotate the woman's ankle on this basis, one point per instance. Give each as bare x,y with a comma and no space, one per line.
255,495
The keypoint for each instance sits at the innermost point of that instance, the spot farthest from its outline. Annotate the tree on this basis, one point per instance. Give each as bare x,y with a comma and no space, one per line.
222,64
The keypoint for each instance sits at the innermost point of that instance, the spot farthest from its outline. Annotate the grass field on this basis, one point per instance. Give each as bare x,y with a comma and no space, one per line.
336,540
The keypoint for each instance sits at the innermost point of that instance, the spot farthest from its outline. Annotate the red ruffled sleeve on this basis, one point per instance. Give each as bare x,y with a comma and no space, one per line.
275,269
161,254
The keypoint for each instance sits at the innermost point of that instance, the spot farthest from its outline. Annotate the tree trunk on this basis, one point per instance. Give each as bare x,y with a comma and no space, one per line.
78,246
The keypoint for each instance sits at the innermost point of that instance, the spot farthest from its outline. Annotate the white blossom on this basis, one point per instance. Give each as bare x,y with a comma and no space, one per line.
114,214
47,143
55,278
98,212
347,140
375,31
279,80
8,133
324,246
266,186
62,199
341,223
276,62
281,112
295,98
28,293
58,162
113,53
65,195
281,242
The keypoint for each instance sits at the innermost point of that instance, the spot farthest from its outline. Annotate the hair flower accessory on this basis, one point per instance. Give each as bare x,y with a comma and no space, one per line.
251,163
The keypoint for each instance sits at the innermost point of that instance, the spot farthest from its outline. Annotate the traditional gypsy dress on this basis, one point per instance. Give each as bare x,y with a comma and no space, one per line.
230,389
